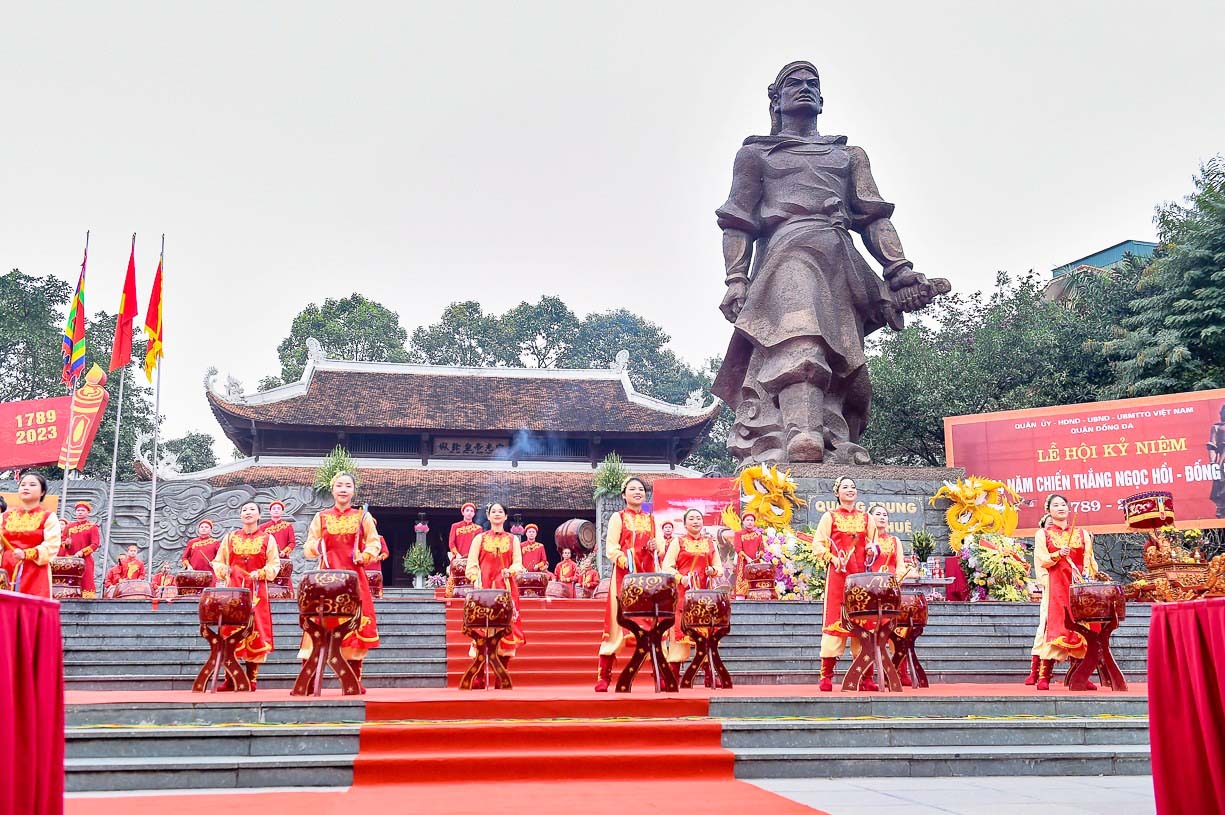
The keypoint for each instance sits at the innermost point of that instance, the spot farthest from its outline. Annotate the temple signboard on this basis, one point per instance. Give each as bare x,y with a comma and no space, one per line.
470,447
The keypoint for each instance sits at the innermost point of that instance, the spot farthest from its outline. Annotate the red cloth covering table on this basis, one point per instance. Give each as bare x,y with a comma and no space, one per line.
1186,701
31,706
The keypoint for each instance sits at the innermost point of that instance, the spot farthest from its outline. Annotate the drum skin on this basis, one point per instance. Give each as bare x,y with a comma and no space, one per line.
488,608
869,592
648,594
67,567
706,608
329,593
191,582
224,605
1097,602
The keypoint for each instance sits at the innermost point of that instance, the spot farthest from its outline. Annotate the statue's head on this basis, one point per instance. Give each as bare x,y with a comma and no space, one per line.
797,88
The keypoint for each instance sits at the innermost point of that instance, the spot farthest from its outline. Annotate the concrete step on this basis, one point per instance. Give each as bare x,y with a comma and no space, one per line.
387,678
838,705
206,772
205,740
957,761
229,709
1071,730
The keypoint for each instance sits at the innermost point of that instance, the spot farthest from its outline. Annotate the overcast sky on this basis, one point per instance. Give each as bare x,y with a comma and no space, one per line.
498,152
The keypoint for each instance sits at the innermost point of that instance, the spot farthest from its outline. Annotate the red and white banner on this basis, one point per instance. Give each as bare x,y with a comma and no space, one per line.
670,497
35,431
1098,453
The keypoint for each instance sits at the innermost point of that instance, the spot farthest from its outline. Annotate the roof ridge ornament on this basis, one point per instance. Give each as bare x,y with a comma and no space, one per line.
314,350
621,361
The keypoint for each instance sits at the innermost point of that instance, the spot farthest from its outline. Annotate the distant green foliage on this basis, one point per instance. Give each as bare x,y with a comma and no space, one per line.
338,461
609,477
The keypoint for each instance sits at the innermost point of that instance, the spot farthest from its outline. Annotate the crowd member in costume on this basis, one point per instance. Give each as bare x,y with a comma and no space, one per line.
1067,555
589,575
199,552
1040,631
535,559
694,559
338,542
248,559
885,554
630,547
840,540
81,539
30,536
129,567
665,532
163,582
462,532
282,532
493,561
749,547
567,569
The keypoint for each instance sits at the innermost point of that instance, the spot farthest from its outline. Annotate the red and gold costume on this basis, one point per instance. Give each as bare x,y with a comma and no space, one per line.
248,560
199,554
567,571
629,532
750,546
37,531
688,557
286,539
460,539
1058,642
491,553
589,579
333,536
128,568
890,557
841,533
535,559
163,585
82,540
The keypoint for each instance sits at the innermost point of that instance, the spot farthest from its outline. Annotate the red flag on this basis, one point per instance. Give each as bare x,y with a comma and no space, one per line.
121,350
153,324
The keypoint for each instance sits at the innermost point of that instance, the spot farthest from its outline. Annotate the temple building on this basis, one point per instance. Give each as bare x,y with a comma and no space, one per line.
427,438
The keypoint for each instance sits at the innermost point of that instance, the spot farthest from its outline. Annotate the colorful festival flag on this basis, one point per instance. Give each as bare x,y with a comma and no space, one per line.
153,324
74,330
121,349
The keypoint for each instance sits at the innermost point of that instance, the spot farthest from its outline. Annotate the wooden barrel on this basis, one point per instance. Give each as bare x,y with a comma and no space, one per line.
576,535
559,590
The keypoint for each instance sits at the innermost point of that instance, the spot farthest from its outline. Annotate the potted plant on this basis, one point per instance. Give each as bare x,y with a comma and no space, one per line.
419,562
923,544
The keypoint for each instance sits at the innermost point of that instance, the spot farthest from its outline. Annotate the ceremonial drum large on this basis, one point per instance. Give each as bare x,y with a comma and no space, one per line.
760,579
66,574
706,608
1149,510
329,593
1097,602
532,584
870,592
224,605
912,610
559,590
375,576
576,535
648,594
282,587
459,585
134,590
488,608
191,582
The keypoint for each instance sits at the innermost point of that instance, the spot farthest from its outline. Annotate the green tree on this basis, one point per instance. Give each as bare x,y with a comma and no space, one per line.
267,383
31,328
540,334
465,336
1173,339
354,328
194,451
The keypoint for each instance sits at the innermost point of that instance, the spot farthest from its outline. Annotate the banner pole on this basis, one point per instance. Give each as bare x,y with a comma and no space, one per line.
110,496
157,405
72,401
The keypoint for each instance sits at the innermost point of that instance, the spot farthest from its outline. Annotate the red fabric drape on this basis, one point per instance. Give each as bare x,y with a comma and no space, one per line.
31,706
1186,700
959,589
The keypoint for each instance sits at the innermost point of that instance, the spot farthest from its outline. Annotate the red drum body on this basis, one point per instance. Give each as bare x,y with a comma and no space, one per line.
648,594
191,582
559,590
223,605
488,608
1097,602
329,593
868,593
706,608
375,576
1149,510
576,535
133,590
912,610
532,584
285,575
602,590
66,575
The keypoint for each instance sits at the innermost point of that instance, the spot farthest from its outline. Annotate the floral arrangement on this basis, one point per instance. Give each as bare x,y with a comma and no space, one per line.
608,477
979,506
419,559
436,581
798,574
996,567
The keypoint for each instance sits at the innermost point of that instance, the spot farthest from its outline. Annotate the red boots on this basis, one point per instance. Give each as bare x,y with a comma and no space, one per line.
868,682
903,673
1033,670
827,673
604,676
1045,667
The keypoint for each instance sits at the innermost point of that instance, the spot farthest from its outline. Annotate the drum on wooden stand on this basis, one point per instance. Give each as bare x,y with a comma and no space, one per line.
133,590
869,605
375,576
706,618
760,578
909,623
559,590
1094,611
646,607
458,584
225,620
532,584
66,576
282,587
192,582
1097,602
329,610
488,616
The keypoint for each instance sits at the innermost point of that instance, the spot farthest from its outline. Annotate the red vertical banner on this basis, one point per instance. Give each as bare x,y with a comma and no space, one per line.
671,497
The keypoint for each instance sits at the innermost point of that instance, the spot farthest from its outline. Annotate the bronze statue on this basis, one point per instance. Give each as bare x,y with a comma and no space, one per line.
795,370
1216,448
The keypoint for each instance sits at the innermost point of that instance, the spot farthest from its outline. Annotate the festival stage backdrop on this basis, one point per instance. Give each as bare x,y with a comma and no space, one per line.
670,497
1098,453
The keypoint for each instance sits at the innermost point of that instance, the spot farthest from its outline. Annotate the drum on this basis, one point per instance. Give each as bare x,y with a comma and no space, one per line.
1097,602
1149,510
488,608
602,589
191,582
559,590
66,575
329,593
458,566
576,535
134,590
375,576
532,584
648,594
912,610
223,605
706,608
759,573
870,592
285,575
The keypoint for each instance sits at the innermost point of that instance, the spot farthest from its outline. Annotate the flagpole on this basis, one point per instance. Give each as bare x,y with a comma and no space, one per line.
72,405
157,407
110,496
